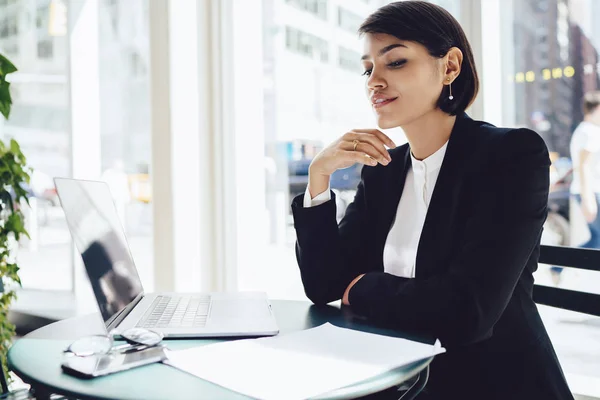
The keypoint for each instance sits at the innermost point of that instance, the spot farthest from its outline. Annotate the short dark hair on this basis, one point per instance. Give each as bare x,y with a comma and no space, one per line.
437,30
591,101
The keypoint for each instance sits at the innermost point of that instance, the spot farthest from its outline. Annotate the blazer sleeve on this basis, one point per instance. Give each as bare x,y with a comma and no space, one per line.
331,256
462,305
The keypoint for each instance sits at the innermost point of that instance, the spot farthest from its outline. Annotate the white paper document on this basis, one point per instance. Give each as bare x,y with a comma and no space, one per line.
299,365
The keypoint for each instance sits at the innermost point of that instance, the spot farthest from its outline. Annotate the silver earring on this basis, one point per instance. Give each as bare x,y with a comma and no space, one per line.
450,86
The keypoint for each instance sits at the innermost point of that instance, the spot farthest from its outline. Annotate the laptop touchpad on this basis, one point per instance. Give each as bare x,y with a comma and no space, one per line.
239,308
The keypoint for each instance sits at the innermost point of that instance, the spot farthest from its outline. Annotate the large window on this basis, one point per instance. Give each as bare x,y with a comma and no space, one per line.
550,59
40,121
81,108
349,60
348,20
316,7
306,44
125,121
550,62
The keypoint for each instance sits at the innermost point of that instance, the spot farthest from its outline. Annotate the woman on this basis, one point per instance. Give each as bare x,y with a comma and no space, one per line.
585,187
443,235
585,151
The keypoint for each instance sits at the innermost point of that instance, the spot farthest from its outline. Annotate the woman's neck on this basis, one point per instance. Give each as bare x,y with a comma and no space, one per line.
429,133
592,118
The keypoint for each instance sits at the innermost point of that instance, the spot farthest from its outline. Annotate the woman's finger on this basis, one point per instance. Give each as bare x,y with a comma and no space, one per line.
359,157
366,148
380,135
372,140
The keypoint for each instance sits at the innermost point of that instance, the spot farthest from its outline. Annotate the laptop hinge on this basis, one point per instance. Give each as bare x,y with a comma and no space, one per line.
116,319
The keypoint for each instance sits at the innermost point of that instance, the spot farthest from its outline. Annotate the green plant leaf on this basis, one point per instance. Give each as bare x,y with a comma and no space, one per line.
20,224
14,223
12,272
6,67
14,147
20,194
5,99
17,170
11,204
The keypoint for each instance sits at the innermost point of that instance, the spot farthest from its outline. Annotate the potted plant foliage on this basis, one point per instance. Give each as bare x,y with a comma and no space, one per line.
14,175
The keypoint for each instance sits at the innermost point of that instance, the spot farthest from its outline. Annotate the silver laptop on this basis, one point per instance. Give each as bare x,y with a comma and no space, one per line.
99,236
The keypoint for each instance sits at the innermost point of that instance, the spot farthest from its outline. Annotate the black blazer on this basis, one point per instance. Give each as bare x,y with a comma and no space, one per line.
473,280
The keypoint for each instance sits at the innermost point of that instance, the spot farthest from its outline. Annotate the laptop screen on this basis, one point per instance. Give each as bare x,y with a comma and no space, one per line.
99,236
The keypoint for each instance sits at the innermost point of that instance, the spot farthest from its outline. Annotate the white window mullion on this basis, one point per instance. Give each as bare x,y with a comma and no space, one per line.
192,167
470,19
84,84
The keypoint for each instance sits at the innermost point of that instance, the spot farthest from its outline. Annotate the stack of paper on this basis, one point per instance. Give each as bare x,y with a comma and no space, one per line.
299,365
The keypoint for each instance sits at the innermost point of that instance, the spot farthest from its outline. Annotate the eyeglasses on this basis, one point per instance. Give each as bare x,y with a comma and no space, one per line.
136,338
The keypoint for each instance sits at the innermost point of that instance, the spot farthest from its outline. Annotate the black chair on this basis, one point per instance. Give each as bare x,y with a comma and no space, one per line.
565,299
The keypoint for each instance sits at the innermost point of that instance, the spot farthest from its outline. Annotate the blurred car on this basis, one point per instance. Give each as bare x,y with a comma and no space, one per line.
343,182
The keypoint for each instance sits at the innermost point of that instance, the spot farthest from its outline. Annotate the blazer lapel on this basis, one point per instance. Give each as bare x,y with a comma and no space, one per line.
437,229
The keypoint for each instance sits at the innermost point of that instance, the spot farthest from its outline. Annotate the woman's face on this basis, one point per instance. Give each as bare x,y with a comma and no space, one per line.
403,82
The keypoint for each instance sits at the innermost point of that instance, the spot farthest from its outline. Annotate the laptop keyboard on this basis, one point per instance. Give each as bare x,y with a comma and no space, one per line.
176,312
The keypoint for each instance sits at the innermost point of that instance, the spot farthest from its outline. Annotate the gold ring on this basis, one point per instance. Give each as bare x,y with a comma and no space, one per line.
356,142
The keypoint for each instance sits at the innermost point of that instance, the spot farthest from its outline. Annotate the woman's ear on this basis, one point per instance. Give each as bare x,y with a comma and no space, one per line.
453,63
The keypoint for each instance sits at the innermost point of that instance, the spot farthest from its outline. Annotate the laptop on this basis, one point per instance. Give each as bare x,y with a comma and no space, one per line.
99,236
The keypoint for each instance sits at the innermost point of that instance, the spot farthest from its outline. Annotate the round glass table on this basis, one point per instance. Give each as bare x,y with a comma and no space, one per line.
36,358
